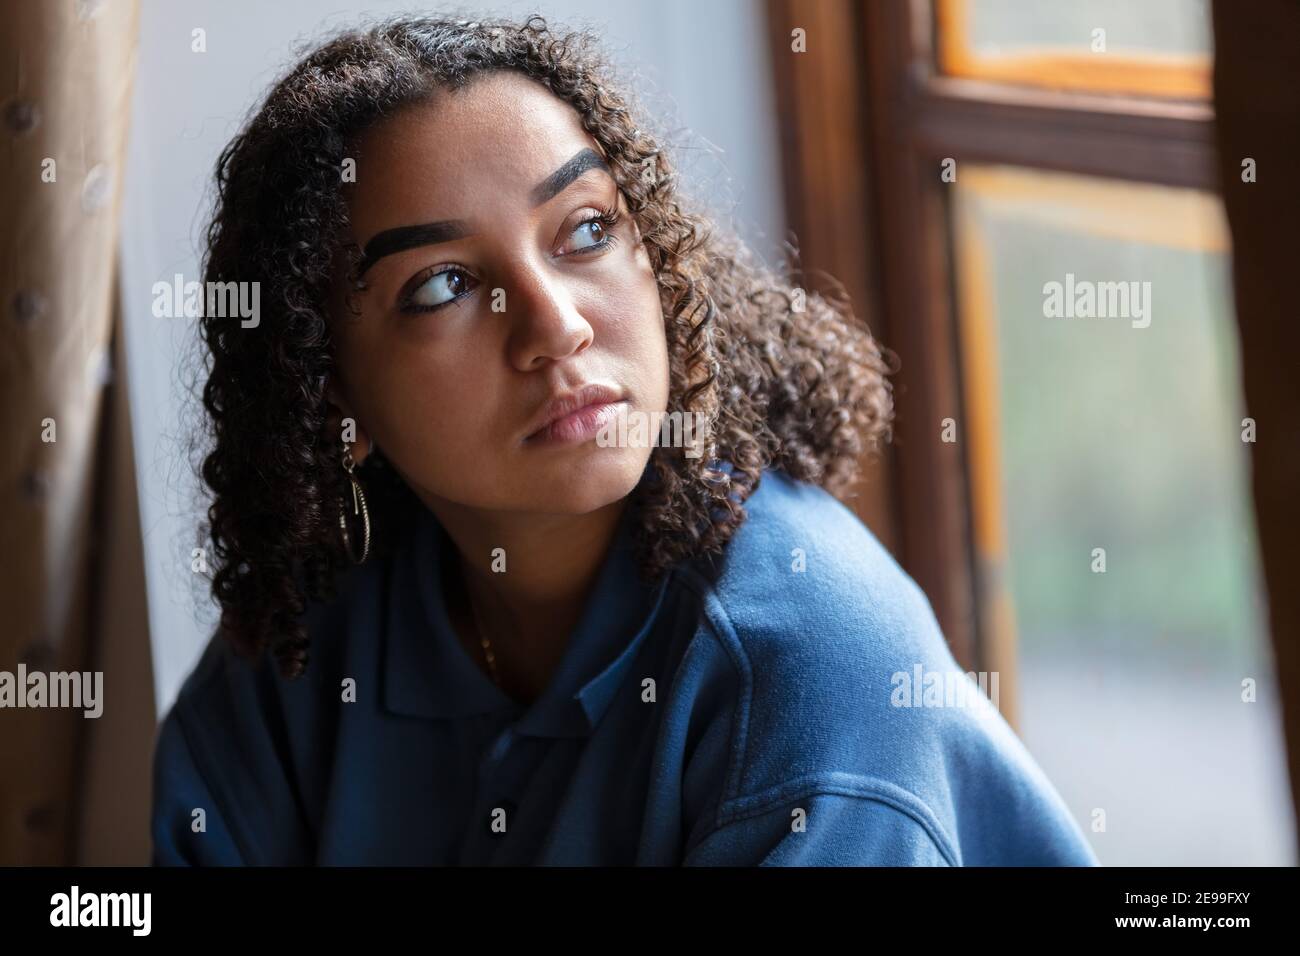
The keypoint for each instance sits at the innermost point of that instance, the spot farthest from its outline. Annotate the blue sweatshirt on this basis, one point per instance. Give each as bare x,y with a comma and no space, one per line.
793,703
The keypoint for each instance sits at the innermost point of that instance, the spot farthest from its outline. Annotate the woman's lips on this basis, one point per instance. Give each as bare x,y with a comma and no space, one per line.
579,426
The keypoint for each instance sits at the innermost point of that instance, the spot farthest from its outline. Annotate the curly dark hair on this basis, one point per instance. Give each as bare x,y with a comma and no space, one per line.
784,378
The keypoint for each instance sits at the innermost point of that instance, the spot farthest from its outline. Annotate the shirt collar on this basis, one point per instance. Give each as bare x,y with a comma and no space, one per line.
429,674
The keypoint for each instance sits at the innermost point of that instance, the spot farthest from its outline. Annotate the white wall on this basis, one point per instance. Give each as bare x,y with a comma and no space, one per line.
701,66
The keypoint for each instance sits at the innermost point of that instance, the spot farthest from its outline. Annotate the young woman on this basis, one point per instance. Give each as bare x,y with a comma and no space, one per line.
478,607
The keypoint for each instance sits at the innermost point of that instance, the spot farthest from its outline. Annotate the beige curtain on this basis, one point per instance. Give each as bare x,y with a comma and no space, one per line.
72,789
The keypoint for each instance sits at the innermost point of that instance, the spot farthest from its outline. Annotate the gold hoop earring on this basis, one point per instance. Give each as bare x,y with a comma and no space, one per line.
358,507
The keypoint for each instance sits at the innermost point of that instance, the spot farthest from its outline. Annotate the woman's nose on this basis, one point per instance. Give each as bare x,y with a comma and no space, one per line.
545,324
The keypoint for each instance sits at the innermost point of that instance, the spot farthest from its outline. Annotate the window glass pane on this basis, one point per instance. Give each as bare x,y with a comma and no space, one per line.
1155,48
1099,340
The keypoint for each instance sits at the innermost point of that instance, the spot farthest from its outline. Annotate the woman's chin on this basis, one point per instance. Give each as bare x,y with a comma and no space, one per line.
584,480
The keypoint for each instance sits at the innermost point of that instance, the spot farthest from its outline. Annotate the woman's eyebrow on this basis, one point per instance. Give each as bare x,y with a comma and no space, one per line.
559,180
408,237
431,233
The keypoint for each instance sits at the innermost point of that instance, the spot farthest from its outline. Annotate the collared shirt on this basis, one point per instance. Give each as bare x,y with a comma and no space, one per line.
792,703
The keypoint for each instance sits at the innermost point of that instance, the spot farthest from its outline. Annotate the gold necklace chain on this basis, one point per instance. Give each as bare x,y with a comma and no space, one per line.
484,642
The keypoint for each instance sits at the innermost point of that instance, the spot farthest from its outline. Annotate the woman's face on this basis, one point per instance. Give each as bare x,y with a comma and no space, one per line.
489,292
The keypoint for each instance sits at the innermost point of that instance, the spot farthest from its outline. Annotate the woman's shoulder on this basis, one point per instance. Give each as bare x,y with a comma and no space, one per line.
212,752
835,656
225,679
230,743
802,562
815,618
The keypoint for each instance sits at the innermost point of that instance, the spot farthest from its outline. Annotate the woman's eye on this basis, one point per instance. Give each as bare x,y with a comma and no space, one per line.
592,230
439,289
594,233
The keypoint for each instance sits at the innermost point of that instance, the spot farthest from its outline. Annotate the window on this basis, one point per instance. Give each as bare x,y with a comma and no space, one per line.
1157,48
1046,252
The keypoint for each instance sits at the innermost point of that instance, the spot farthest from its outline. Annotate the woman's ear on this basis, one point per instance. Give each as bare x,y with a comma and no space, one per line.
342,424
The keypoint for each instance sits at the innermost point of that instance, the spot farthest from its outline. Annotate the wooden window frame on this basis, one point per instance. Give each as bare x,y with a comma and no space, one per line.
871,120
